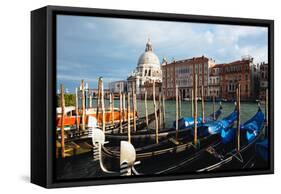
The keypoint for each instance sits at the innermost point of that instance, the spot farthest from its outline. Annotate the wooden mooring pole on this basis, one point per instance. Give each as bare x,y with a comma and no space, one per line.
179,95
110,107
214,116
195,110
192,102
90,99
155,113
124,107
134,109
160,110
111,102
128,115
120,111
266,107
164,110
76,109
203,105
102,106
98,100
62,122
238,117
145,104
83,105
177,111
113,109
266,113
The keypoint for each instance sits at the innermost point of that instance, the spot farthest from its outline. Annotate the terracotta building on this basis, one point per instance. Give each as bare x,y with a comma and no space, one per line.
181,73
241,71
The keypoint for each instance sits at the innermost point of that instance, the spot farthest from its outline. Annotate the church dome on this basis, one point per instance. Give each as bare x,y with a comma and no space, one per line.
148,57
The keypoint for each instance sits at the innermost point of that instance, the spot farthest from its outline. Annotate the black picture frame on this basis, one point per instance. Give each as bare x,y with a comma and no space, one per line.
43,90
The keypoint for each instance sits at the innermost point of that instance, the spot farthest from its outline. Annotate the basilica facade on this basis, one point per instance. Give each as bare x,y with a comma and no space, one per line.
148,70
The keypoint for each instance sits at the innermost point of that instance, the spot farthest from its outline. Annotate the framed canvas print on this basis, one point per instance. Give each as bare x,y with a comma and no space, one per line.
126,96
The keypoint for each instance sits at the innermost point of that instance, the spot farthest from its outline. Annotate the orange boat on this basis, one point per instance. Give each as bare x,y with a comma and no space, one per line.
71,120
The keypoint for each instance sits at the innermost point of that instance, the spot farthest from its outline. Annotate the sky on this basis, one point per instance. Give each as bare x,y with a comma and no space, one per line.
89,47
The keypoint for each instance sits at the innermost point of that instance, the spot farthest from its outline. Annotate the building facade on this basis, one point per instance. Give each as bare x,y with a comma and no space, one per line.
148,70
241,71
148,87
118,86
263,80
181,73
215,81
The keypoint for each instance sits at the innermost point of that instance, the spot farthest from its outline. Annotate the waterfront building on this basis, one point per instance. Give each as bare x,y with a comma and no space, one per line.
182,72
263,78
148,70
148,87
215,81
118,86
241,71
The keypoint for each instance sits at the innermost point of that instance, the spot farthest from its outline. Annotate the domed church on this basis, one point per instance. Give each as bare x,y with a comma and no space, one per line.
148,69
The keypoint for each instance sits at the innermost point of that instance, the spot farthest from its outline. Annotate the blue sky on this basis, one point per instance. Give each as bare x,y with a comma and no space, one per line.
89,47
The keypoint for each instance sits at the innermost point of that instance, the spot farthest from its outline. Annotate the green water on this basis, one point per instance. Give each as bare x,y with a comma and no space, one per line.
248,109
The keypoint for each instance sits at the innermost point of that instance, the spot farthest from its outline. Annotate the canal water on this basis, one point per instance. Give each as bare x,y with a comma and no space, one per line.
247,110
84,166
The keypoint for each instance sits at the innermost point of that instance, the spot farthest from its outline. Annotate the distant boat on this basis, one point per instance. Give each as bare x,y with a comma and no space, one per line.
189,99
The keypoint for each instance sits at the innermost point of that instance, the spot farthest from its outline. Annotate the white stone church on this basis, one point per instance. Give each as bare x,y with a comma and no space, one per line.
147,70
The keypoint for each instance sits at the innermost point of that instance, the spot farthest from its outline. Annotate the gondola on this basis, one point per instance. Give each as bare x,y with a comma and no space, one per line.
168,148
224,155
262,150
74,134
187,122
148,136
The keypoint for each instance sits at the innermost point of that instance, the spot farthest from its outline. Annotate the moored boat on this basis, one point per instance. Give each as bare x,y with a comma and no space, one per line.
147,136
168,148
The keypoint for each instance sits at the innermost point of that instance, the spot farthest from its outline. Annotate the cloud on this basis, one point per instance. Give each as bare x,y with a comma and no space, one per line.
90,46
